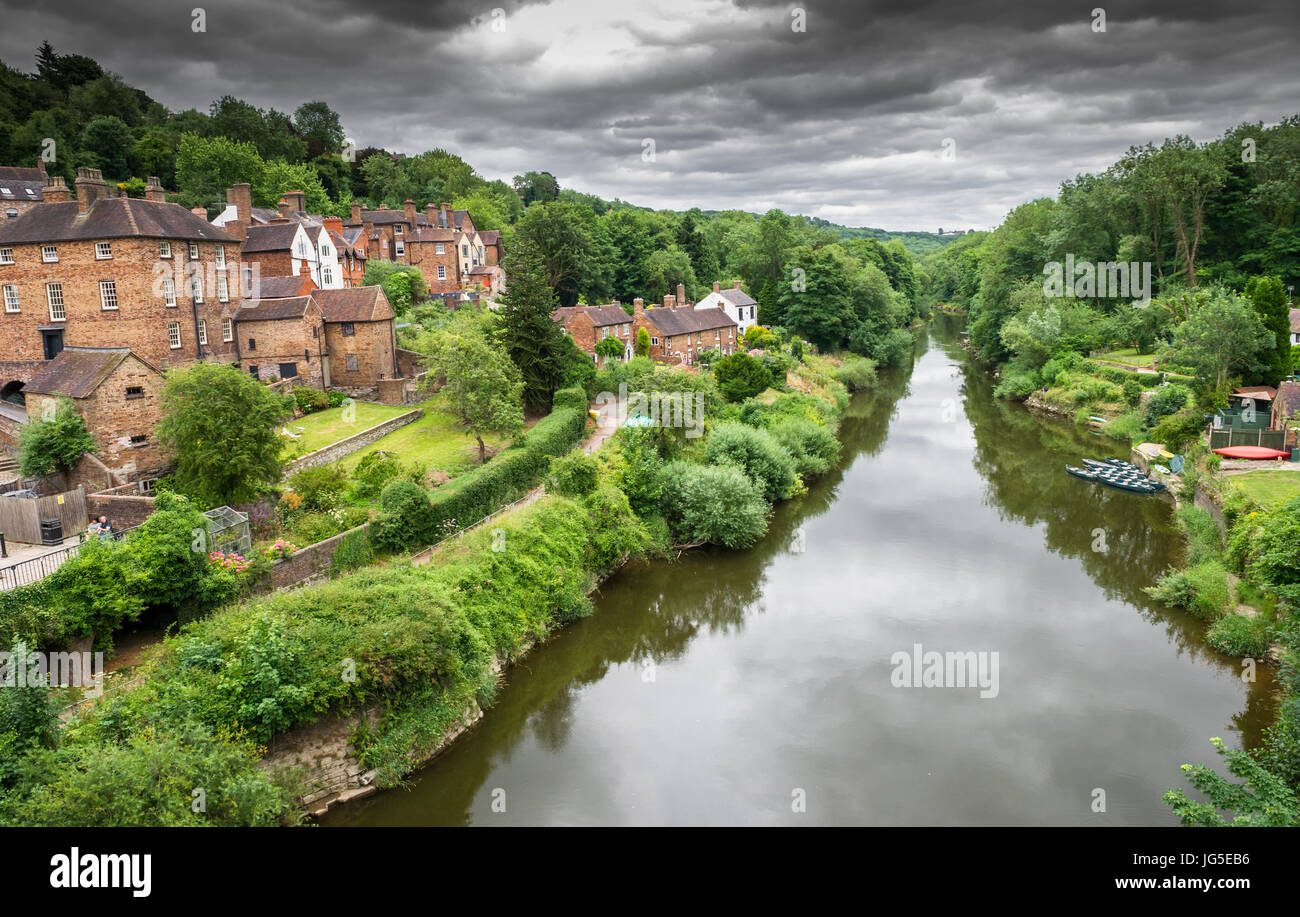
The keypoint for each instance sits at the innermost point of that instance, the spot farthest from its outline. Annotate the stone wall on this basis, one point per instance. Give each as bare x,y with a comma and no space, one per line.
307,563
123,511
335,451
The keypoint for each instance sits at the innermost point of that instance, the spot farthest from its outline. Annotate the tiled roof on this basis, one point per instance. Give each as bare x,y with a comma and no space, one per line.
282,287
110,218
272,237
1262,392
738,297
610,314
433,234
78,371
21,173
18,183
687,319
490,236
260,310
354,304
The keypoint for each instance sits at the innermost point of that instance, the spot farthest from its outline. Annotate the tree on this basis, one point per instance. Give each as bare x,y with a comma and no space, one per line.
277,177
574,255
321,126
54,444
206,167
1189,174
610,348
1269,300
740,376
525,329
385,182
481,387
1262,799
536,187
222,426
1221,336
107,140
642,346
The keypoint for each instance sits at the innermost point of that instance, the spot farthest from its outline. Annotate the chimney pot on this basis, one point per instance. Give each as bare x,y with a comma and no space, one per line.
90,188
736,285
55,190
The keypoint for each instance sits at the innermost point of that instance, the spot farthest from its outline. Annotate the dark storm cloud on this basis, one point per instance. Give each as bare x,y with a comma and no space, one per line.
845,121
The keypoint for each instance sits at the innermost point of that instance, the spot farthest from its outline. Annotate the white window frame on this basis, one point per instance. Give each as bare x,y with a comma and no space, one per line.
164,249
108,295
11,298
221,256
53,291
327,274
6,256
399,247
196,286
203,332
223,289
194,251
227,330
103,251
440,248
654,342
169,292
49,254
174,335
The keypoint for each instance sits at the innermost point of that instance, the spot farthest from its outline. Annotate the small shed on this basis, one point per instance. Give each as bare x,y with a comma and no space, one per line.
229,531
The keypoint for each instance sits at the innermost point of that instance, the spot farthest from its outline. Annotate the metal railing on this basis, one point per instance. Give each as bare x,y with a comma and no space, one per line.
35,569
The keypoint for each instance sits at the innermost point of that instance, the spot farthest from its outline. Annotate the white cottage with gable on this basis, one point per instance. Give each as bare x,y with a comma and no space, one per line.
739,306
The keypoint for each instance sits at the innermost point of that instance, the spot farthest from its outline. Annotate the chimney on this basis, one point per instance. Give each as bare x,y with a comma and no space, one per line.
669,300
638,306
297,201
90,188
200,212
446,215
431,212
736,285
356,212
55,190
717,287
409,207
333,224
681,293
283,216
153,190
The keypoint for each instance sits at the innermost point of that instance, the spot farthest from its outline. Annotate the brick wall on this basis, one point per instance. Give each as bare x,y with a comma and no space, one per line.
310,561
372,349
337,450
287,340
122,511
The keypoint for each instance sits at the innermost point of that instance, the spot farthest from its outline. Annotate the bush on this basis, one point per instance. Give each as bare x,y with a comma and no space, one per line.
1176,430
54,444
641,474
1168,399
1202,589
813,447
353,551
715,504
404,519
1238,635
740,376
1132,392
758,455
320,487
377,469
573,475
1204,541
895,348
310,399
856,373
1125,427
1016,386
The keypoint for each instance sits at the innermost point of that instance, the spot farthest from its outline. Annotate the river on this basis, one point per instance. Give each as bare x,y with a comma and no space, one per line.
755,687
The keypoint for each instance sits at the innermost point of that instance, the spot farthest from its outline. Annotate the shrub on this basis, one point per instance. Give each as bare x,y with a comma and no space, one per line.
1176,430
1132,392
757,454
320,487
313,527
813,447
1204,541
280,549
310,399
1016,386
573,475
335,398
1168,399
895,348
614,534
856,373
374,471
1201,589
716,504
53,444
404,519
1238,635
1125,427
97,589
640,477
353,551
740,376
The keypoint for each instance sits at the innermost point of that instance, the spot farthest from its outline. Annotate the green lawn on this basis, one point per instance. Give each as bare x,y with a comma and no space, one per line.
1130,357
329,426
1269,488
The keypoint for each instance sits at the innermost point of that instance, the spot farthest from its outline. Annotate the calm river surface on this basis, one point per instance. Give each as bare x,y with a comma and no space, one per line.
715,689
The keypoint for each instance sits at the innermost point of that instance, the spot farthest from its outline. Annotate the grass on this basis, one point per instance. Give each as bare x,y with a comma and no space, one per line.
329,426
436,441
1130,357
1269,488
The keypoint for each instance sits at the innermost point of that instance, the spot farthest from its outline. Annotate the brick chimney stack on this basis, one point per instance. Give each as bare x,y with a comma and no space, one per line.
736,285
333,224
638,306
408,206
717,287
241,195
681,293
431,212
297,201
283,207
445,222
55,190
90,188
356,212
153,190
669,300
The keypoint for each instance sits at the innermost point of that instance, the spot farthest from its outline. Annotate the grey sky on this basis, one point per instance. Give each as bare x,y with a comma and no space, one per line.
845,121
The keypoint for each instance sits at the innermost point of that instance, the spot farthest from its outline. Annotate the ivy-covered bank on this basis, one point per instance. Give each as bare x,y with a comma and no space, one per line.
416,646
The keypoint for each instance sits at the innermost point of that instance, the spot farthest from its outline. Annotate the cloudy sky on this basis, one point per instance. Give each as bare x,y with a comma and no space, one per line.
846,119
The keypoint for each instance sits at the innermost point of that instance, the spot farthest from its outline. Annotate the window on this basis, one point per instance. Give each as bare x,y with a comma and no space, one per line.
227,330
196,285
464,250
397,229
139,439
135,391
442,272
399,247
440,249
103,251
194,251
203,331
54,293
6,256
49,253
288,370
223,290
169,292
11,298
164,249
383,247
351,362
11,212
174,335
349,329
654,342
327,275
324,251
252,343
108,295
221,256
252,371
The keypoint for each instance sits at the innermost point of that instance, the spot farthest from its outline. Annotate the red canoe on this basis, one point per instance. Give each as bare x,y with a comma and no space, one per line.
1252,452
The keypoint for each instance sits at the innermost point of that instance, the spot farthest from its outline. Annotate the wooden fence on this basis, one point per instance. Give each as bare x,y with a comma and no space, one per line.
20,519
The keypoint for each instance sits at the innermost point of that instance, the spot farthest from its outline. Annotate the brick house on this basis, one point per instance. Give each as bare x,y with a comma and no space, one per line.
118,394
288,241
20,189
113,271
443,243
589,324
282,339
1286,406
679,333
360,340
739,306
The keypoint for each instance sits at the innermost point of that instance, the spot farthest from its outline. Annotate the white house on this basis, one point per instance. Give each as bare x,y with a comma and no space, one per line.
1295,327
738,305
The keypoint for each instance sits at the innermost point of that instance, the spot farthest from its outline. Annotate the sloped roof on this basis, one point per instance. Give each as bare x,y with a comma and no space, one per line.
283,287
78,371
18,183
354,304
433,234
21,173
262,310
1258,392
738,297
110,218
490,236
687,319
609,314
272,237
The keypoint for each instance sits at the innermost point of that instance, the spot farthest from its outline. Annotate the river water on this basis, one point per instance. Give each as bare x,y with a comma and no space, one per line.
756,687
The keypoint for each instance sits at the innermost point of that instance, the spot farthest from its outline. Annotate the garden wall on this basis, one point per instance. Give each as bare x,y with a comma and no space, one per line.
344,447
312,560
